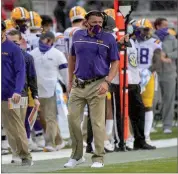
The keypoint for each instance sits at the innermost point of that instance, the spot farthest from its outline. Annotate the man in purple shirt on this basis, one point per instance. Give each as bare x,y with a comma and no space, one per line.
93,63
13,81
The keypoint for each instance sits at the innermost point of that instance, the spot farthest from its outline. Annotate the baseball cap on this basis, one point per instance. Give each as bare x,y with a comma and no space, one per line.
47,34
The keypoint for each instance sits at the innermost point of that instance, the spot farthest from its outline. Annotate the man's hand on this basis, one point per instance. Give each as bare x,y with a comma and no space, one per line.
103,88
166,60
16,98
124,38
69,87
121,41
37,103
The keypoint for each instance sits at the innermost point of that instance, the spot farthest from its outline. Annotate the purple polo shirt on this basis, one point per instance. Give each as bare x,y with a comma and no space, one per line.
93,54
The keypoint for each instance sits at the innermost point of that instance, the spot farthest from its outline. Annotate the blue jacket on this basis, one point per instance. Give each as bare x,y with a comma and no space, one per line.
13,70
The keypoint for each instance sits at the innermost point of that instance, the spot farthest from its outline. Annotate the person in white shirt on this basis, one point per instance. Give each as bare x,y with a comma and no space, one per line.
60,42
147,47
47,23
49,63
77,16
19,20
35,29
136,106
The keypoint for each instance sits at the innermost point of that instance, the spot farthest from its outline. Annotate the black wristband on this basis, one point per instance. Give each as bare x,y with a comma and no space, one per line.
36,97
109,83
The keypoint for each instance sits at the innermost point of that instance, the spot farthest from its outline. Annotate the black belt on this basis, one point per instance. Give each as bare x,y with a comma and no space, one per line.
81,83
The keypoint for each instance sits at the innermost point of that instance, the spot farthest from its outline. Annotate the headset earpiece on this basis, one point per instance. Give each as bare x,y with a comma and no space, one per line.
105,18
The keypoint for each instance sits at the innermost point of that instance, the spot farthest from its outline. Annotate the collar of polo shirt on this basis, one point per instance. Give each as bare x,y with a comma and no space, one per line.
98,36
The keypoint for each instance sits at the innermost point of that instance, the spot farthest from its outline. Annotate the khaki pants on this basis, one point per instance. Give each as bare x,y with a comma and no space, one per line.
13,125
23,112
78,99
48,110
84,128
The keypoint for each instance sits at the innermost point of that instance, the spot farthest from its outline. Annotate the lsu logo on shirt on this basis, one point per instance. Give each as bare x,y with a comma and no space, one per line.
99,41
132,59
4,53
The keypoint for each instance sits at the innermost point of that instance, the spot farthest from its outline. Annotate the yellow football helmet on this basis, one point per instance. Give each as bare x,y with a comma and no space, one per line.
10,24
172,32
144,23
110,12
20,13
77,12
35,20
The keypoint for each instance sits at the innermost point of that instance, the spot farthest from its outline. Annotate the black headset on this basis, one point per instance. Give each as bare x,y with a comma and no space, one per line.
3,25
103,15
105,19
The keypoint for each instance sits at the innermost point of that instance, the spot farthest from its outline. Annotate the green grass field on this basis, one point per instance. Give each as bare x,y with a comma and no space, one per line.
165,165
160,135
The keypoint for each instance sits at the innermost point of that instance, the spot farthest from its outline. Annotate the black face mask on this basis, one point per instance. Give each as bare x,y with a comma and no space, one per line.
22,27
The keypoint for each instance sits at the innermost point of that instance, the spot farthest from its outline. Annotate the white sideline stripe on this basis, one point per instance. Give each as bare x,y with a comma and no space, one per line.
38,156
165,143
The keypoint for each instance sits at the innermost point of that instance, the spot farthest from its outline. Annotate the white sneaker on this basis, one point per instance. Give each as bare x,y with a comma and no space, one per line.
72,162
16,159
33,146
81,160
4,152
84,144
129,142
40,141
97,165
167,131
49,149
61,146
108,146
5,145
